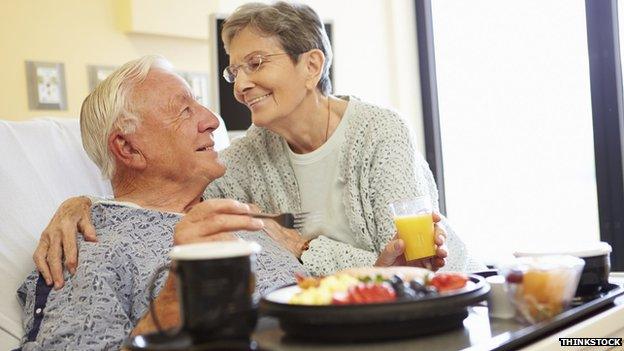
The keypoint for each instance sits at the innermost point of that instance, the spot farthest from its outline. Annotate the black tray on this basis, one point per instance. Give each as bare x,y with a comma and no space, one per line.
514,340
367,322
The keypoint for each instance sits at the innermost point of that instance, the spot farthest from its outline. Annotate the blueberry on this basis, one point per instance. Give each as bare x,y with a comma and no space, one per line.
417,285
409,294
431,290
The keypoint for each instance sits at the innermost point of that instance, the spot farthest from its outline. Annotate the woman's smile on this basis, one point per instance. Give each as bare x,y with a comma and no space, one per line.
257,100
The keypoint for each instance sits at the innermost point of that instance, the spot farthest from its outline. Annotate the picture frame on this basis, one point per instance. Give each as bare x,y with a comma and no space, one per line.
97,73
46,85
198,81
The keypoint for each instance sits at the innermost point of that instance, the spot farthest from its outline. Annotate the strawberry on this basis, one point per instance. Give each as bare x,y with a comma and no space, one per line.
364,293
449,281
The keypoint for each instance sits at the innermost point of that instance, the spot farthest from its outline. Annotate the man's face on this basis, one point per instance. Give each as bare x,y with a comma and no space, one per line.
175,132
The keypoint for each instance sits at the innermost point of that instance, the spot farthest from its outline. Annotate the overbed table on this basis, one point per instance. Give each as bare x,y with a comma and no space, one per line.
479,333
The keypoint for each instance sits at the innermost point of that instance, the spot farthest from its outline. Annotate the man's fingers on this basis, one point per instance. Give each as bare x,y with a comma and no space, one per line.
253,208
40,261
209,208
193,231
228,223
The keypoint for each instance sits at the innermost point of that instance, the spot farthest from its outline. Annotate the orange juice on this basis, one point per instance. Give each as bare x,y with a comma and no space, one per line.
417,233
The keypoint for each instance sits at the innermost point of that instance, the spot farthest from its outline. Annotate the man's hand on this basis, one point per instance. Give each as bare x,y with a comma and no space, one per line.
213,220
393,253
58,240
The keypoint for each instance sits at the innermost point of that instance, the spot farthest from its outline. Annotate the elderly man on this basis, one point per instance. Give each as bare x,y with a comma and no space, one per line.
147,133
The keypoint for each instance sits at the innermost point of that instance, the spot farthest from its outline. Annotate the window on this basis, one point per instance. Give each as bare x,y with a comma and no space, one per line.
515,117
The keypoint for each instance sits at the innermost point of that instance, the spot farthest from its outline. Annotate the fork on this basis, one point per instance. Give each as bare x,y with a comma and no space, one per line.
286,220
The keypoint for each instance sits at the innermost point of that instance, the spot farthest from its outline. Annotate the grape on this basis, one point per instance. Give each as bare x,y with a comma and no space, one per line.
515,277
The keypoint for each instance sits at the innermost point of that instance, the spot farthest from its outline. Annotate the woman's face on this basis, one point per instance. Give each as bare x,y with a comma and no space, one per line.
276,88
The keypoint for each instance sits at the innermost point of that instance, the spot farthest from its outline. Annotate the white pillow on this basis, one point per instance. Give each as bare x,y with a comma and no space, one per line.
42,163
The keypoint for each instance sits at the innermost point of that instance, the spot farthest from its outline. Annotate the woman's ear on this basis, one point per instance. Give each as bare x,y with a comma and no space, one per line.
123,148
315,61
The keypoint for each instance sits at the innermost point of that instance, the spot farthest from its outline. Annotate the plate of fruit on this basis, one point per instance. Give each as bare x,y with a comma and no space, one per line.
374,303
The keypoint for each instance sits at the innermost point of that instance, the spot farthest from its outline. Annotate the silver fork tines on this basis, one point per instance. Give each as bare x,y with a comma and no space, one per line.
286,220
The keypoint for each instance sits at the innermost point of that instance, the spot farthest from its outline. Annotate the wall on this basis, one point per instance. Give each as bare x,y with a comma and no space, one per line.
374,41
77,33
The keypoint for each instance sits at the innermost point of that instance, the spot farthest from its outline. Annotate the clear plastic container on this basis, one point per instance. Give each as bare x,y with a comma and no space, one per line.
542,287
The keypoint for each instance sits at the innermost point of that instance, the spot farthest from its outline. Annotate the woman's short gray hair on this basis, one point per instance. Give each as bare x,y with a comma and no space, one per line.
108,108
297,27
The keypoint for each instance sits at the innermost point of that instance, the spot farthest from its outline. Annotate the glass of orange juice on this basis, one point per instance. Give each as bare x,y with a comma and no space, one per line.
413,219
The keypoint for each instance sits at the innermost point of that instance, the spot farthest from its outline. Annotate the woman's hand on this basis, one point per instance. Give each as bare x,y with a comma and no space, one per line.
393,253
214,220
289,239
58,240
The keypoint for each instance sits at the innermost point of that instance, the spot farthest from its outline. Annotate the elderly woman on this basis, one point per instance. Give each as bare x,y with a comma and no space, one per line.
149,136
339,158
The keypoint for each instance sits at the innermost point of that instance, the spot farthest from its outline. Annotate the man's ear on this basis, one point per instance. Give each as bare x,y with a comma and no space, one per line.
314,60
123,148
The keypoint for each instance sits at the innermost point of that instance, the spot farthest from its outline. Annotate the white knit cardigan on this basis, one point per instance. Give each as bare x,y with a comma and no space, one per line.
378,164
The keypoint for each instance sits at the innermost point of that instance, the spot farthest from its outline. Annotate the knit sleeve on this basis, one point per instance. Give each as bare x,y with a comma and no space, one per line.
326,256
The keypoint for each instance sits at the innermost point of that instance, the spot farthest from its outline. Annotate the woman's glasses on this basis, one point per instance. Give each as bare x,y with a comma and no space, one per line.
251,65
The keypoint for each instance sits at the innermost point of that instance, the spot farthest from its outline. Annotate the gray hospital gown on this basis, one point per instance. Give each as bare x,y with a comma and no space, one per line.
108,295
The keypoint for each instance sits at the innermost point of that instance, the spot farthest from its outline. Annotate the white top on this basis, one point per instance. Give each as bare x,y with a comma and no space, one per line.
321,188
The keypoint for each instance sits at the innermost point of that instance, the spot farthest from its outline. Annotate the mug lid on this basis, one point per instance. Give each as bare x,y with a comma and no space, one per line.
214,250
581,250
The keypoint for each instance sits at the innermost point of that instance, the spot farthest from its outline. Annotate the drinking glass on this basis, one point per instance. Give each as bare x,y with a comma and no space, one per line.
413,219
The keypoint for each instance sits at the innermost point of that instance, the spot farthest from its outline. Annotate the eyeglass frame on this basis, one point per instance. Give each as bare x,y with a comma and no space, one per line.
248,70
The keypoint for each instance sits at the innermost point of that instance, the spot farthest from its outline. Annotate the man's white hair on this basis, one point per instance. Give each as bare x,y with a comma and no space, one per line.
108,108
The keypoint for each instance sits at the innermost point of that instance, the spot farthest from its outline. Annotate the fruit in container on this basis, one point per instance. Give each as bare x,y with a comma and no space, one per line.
542,287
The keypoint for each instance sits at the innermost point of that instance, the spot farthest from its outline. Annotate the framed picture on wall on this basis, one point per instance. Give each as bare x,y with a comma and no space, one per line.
97,74
46,85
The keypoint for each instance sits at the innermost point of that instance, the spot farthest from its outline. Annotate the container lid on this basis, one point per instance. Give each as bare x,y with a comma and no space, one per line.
598,248
548,262
496,280
214,250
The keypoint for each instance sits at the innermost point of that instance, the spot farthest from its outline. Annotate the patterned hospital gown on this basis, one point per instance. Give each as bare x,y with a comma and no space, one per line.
100,305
